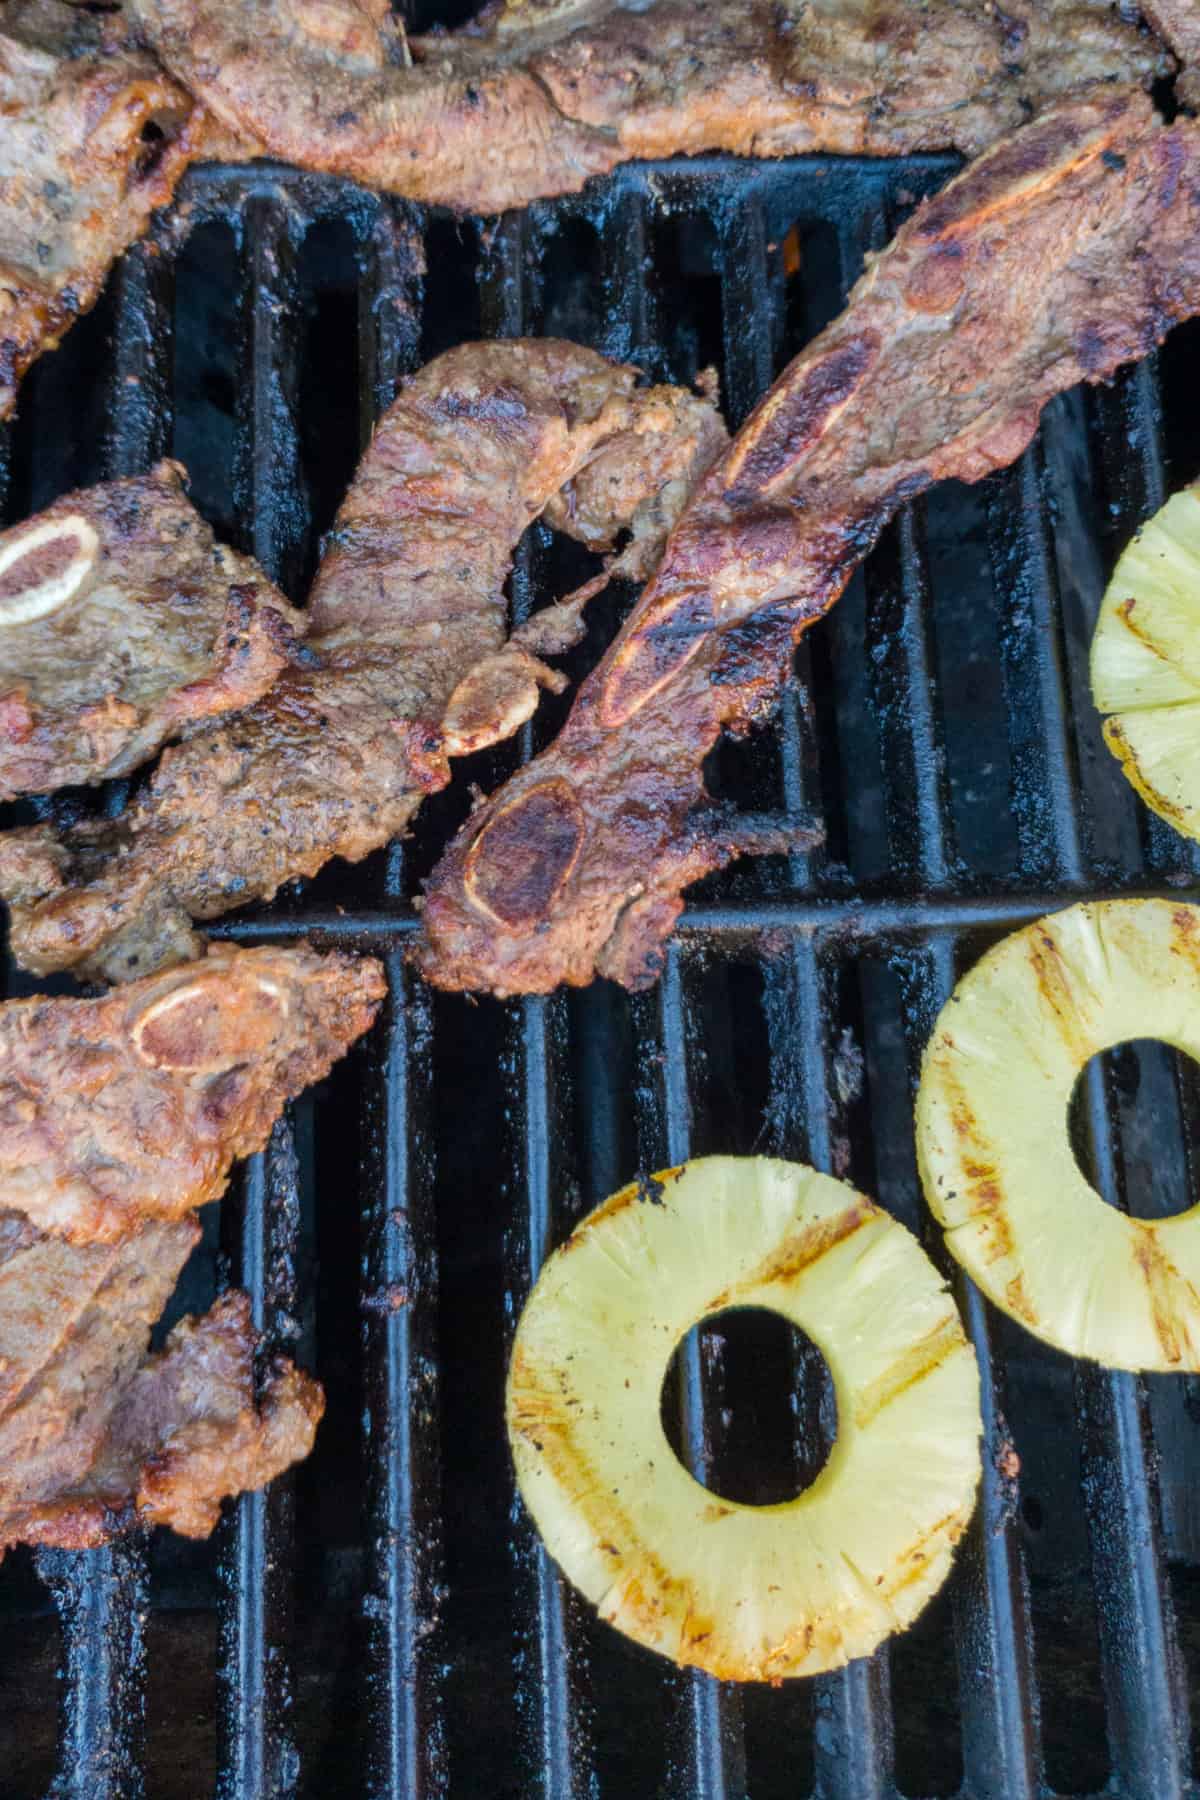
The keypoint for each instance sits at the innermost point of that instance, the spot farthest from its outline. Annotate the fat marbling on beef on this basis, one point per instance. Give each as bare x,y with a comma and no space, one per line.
1064,251
535,96
122,620
407,660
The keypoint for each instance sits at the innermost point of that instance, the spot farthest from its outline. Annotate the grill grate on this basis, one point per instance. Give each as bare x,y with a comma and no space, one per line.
386,1620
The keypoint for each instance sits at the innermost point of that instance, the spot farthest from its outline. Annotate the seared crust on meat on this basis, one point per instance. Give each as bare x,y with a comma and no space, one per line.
96,1435
537,95
93,141
134,1106
407,660
121,621
1067,249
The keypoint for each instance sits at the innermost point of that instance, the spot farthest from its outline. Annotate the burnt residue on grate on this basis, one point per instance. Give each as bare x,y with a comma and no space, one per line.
384,1620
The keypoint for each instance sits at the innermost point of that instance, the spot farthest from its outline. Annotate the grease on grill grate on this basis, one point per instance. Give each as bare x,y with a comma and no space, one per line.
384,1621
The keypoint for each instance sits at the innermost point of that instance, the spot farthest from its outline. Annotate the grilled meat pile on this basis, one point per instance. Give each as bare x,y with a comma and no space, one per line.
537,95
122,620
118,1117
1064,251
407,657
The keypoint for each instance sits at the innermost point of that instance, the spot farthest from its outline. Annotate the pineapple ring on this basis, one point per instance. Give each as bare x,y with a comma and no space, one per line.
992,1140
1145,662
750,1593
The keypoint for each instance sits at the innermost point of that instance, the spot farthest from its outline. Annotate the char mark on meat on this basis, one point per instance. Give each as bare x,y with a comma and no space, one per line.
537,95
96,1435
122,621
94,138
406,663
1066,250
134,1106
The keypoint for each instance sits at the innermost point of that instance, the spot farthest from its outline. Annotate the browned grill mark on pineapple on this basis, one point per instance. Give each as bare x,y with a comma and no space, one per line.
917,1362
1173,1299
1017,1295
1125,611
799,1251
912,1562
988,1202
1058,989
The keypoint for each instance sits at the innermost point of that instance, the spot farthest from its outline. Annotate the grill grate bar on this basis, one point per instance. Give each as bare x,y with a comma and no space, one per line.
400,1348
256,1757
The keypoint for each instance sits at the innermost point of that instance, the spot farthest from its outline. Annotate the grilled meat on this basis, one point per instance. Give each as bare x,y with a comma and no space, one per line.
1177,23
93,140
408,660
122,620
537,95
95,1434
1067,249
134,1106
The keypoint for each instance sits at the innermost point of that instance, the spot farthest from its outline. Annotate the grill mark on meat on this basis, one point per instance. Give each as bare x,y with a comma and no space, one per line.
407,662
1048,237
791,420
532,100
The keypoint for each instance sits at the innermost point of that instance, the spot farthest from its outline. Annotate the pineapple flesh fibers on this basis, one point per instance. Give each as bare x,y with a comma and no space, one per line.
992,1131
750,1593
1146,662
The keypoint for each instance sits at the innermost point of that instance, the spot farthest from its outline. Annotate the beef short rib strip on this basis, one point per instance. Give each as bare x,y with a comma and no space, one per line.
92,141
134,1106
121,621
1061,253
95,1434
537,95
407,659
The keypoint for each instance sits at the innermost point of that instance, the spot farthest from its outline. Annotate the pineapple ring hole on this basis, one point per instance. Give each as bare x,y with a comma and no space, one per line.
777,1419
1140,1078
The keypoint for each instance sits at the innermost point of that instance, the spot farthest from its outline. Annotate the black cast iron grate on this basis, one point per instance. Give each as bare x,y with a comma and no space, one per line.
383,1622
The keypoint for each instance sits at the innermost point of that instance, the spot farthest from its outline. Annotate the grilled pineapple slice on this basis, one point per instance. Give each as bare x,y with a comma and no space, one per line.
1145,662
992,1134
746,1592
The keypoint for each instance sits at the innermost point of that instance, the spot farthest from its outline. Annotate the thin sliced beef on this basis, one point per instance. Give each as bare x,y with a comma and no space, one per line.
538,95
121,621
94,138
97,1435
1061,253
408,663
135,1106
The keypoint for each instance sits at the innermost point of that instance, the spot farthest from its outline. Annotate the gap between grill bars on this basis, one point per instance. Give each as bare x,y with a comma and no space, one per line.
685,266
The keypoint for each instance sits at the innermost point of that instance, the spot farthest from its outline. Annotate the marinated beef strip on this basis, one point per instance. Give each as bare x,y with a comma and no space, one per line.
1177,23
134,1106
537,95
93,139
122,620
96,1435
408,664
1061,253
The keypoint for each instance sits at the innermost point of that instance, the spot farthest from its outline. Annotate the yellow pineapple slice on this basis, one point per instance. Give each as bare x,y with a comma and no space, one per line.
747,1592
992,1130
1145,662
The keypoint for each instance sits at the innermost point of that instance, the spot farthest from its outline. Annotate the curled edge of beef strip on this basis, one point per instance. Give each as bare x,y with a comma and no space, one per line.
96,1434
1066,250
406,663
532,98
